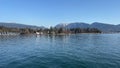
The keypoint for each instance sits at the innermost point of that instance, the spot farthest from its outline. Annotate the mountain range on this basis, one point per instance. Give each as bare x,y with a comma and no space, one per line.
101,26
16,25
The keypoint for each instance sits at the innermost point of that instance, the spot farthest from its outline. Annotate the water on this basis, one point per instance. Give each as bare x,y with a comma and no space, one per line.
67,51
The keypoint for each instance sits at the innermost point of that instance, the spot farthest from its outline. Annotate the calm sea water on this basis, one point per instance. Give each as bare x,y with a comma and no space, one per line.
68,51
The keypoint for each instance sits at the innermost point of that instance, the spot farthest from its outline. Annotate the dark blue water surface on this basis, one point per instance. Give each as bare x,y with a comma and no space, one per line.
63,51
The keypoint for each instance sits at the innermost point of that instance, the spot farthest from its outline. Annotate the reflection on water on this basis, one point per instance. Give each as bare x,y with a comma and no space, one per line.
60,51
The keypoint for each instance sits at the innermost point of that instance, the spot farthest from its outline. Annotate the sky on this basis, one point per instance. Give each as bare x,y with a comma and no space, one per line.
52,12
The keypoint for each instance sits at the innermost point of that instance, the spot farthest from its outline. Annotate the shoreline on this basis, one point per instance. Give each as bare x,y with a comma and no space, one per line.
16,34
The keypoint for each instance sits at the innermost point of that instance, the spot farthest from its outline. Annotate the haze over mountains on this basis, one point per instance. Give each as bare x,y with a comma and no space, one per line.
101,26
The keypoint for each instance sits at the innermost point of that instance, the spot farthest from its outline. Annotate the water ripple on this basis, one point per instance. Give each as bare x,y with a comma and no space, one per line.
65,51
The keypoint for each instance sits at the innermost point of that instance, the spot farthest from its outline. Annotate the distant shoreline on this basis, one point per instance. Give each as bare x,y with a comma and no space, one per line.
18,34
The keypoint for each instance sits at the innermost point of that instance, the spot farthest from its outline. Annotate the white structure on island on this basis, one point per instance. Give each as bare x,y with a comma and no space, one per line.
39,33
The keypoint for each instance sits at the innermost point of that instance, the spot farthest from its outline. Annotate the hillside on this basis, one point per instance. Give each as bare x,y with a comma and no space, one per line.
101,26
16,25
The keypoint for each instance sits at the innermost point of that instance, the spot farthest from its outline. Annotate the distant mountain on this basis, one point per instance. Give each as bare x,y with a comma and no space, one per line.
77,24
101,26
61,25
16,25
72,25
105,27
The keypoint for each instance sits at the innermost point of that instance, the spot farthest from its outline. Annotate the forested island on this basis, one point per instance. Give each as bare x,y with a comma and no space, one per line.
51,30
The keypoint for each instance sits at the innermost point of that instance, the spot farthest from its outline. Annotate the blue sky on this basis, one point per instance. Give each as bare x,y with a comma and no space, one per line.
52,12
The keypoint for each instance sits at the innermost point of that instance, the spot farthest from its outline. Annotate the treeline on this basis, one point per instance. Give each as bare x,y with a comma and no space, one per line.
16,30
50,30
53,30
